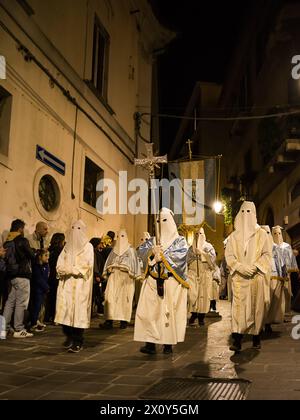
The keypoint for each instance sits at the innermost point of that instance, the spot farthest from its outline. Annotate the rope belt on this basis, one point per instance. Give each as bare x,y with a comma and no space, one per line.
280,278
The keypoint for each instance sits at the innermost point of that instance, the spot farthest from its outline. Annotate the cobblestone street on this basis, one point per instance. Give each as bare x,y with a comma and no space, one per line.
111,367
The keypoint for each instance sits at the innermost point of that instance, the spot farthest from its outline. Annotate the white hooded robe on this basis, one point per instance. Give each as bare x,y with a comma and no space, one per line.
288,260
75,267
162,320
248,245
122,270
200,274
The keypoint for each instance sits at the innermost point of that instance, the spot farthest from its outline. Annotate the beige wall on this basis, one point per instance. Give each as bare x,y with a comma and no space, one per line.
61,39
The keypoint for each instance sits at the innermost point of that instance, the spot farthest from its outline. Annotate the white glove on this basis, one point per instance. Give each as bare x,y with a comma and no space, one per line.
157,251
247,270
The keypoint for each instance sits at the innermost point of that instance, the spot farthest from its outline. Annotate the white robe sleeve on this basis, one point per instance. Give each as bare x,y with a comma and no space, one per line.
231,258
84,262
63,267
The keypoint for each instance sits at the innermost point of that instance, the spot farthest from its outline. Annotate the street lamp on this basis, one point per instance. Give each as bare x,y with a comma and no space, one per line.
218,207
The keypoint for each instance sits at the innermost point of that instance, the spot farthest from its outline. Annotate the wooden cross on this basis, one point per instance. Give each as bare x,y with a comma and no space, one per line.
151,162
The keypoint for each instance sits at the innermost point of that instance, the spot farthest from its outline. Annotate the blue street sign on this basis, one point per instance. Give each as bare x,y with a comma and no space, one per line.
48,159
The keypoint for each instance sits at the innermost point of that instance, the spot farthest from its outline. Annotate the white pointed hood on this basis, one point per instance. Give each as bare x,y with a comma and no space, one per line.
122,244
76,240
168,228
277,235
145,237
199,240
245,223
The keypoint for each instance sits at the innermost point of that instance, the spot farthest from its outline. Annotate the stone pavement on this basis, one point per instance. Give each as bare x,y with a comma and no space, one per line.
111,367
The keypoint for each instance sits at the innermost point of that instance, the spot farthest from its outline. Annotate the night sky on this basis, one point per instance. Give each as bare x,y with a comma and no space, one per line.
207,34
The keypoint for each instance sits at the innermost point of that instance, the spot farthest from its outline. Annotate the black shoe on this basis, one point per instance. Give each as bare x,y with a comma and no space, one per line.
149,348
236,342
75,348
68,343
193,318
256,342
201,319
268,329
236,347
167,349
213,306
123,325
108,325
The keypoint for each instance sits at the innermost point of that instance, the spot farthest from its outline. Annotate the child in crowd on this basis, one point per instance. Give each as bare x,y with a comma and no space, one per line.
40,286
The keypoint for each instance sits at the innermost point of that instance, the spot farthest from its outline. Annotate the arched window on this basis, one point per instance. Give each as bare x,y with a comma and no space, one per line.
269,220
295,193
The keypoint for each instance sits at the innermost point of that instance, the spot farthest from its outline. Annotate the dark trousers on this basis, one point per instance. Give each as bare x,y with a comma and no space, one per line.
3,290
97,298
213,305
38,299
75,334
295,283
51,302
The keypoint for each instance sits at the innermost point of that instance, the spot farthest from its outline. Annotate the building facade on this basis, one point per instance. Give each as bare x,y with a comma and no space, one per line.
262,154
204,146
76,74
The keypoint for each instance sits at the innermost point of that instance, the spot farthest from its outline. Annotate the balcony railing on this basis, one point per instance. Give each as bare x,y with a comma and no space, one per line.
279,141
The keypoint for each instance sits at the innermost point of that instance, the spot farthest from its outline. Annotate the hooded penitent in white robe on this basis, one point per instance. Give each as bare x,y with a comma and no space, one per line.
268,285
144,238
276,308
248,258
201,267
75,271
122,269
288,262
162,319
216,283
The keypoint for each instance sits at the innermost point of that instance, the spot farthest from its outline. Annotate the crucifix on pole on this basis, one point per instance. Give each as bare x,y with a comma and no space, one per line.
189,143
150,163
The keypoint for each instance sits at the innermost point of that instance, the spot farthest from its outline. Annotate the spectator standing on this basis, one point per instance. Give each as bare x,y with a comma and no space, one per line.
3,282
19,256
98,270
56,246
40,286
39,238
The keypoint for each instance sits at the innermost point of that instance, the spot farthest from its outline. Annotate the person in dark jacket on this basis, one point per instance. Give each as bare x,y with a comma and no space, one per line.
56,246
3,282
40,286
19,273
98,270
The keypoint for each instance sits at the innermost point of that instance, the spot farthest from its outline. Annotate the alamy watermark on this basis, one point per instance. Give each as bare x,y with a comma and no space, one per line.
2,67
123,197
296,68
296,329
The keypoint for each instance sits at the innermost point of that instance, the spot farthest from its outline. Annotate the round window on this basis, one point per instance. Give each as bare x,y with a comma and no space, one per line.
49,193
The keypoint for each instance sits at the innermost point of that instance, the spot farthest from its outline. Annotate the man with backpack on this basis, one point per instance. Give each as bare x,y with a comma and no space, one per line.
18,259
